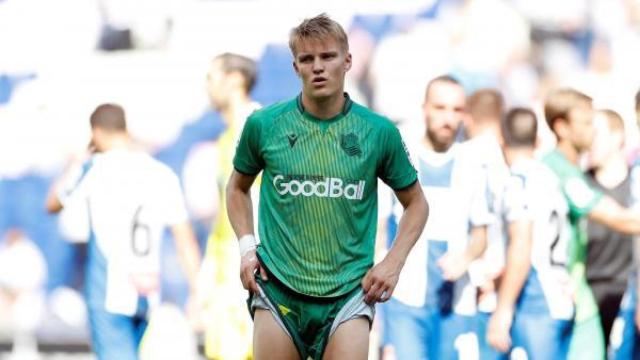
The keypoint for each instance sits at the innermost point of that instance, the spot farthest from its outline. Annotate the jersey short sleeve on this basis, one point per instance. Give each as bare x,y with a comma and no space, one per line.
580,195
248,159
515,201
395,169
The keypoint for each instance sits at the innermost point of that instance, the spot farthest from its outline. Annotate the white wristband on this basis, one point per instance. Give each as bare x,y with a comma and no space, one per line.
247,243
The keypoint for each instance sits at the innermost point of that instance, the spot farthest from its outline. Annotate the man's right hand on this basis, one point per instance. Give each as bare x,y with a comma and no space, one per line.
249,265
499,328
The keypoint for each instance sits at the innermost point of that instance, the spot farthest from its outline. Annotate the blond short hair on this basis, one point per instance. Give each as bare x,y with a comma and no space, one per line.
319,27
560,102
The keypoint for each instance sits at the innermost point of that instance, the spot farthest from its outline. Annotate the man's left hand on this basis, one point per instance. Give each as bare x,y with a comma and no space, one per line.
380,281
453,266
498,330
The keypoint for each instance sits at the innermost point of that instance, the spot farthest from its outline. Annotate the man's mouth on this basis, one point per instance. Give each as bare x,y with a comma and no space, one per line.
319,80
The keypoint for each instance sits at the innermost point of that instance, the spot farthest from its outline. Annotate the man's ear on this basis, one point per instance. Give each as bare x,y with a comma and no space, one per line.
561,128
295,68
348,62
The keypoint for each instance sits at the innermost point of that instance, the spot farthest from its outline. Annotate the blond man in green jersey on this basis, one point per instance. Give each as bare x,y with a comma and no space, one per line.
312,279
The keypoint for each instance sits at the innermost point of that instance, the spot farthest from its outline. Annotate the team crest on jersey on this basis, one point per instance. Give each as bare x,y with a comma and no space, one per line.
350,145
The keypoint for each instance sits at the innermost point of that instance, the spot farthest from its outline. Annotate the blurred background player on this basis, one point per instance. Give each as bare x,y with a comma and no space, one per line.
609,253
486,111
432,312
534,292
569,114
625,333
624,342
230,79
129,199
23,273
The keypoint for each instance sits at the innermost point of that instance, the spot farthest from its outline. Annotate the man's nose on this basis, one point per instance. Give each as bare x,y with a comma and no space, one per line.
450,118
318,67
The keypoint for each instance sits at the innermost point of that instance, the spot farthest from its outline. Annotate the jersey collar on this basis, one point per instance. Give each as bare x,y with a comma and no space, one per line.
345,108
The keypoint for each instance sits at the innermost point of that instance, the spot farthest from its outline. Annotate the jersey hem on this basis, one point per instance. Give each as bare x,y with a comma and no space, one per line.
400,188
248,173
267,264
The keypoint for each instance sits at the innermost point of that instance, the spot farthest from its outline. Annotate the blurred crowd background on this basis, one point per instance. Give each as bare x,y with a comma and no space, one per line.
60,59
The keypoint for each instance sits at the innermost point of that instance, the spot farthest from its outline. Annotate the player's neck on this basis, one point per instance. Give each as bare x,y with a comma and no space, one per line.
612,172
324,108
486,126
569,152
513,155
119,142
235,107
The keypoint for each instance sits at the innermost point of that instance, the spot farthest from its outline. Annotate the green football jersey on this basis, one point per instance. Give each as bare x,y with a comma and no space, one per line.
581,198
318,197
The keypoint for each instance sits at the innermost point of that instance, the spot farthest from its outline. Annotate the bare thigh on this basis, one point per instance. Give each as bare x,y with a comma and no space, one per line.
349,341
269,339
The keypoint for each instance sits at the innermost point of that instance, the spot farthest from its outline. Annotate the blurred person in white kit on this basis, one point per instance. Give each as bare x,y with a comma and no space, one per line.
23,273
534,312
432,313
129,199
486,108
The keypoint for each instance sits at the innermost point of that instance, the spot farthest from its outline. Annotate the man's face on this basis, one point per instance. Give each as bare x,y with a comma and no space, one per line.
217,86
444,110
607,142
581,131
321,65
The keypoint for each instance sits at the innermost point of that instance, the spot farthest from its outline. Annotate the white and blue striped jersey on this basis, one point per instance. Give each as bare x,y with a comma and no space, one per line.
486,151
533,193
455,188
129,199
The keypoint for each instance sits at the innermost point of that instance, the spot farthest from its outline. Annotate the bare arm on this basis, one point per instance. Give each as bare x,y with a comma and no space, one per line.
239,204
414,217
478,243
454,265
611,214
518,263
383,277
73,171
188,251
515,275
240,212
